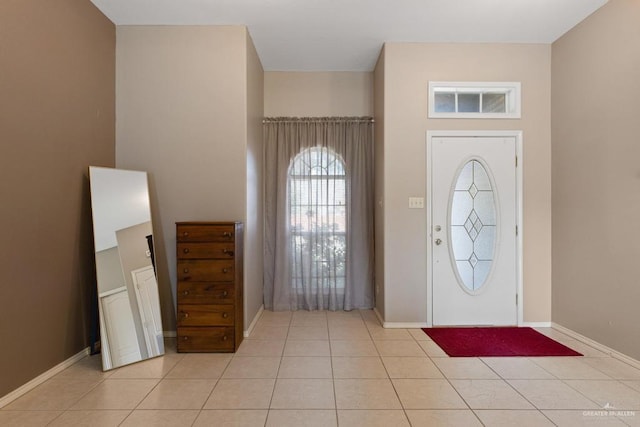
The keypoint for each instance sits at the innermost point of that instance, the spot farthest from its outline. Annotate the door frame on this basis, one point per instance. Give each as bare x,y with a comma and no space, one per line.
517,134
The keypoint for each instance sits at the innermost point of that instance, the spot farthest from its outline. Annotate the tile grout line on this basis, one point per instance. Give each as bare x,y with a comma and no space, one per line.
275,381
516,390
395,390
128,413
333,375
451,385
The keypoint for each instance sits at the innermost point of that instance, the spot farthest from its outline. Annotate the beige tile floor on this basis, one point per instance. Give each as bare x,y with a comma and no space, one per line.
337,369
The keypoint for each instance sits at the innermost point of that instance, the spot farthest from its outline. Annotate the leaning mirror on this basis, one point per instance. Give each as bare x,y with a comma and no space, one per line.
128,302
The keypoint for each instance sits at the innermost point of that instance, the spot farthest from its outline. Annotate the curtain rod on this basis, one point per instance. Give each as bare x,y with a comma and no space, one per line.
316,119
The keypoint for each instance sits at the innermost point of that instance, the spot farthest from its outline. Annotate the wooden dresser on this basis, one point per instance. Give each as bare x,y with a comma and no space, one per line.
209,295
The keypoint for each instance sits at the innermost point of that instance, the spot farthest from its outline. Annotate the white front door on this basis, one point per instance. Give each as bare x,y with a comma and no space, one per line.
473,230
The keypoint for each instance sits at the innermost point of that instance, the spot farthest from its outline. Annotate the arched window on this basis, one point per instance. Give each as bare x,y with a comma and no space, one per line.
318,209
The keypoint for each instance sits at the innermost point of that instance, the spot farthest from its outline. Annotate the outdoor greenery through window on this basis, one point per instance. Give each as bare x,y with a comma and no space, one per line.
318,210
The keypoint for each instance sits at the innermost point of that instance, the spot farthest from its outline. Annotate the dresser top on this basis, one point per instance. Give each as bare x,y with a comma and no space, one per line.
207,222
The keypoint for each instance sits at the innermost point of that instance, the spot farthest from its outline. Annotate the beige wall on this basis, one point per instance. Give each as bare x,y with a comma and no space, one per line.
408,67
253,259
596,177
109,269
56,118
318,94
379,138
182,106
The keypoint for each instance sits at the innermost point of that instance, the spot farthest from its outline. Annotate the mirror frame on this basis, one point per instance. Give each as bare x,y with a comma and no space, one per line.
126,277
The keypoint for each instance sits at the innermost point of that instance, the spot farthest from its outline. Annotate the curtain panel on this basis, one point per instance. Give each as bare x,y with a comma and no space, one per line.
290,282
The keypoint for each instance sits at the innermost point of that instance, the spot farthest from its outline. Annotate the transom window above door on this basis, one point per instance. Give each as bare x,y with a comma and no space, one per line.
474,100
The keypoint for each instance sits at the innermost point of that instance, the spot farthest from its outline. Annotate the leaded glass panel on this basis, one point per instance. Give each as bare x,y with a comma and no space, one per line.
473,225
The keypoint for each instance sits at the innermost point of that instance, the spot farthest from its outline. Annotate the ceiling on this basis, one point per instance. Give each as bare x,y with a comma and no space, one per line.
347,35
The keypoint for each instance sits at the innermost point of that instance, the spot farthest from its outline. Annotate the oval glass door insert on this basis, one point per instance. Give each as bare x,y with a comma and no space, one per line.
473,225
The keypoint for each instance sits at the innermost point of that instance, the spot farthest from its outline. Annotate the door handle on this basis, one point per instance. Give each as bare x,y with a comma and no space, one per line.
438,242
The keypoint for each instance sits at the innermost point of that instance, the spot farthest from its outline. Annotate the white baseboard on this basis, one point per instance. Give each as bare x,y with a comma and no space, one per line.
169,334
420,325
588,341
5,400
601,347
404,325
377,313
399,325
537,324
414,325
254,321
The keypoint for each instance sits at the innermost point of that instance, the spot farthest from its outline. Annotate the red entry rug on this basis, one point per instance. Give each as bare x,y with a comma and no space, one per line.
496,341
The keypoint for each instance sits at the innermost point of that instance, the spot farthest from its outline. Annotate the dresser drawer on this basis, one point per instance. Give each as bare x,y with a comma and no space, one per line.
223,250
206,339
209,273
205,315
205,271
205,233
205,293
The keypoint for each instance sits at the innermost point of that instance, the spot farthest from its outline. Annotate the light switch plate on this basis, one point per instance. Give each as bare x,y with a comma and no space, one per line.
416,202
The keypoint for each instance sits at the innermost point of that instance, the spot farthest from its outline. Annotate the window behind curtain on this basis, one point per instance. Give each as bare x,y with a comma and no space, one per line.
318,209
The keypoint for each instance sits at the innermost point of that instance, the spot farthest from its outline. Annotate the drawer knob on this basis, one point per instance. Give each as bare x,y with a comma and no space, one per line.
185,293
227,234
185,234
185,315
225,315
225,294
185,338
224,338
185,250
186,270
225,270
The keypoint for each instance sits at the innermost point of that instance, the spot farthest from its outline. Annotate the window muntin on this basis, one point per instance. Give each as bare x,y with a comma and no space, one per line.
474,100
318,211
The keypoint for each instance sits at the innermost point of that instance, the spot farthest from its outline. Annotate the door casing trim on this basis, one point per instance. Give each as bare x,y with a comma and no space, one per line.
517,134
